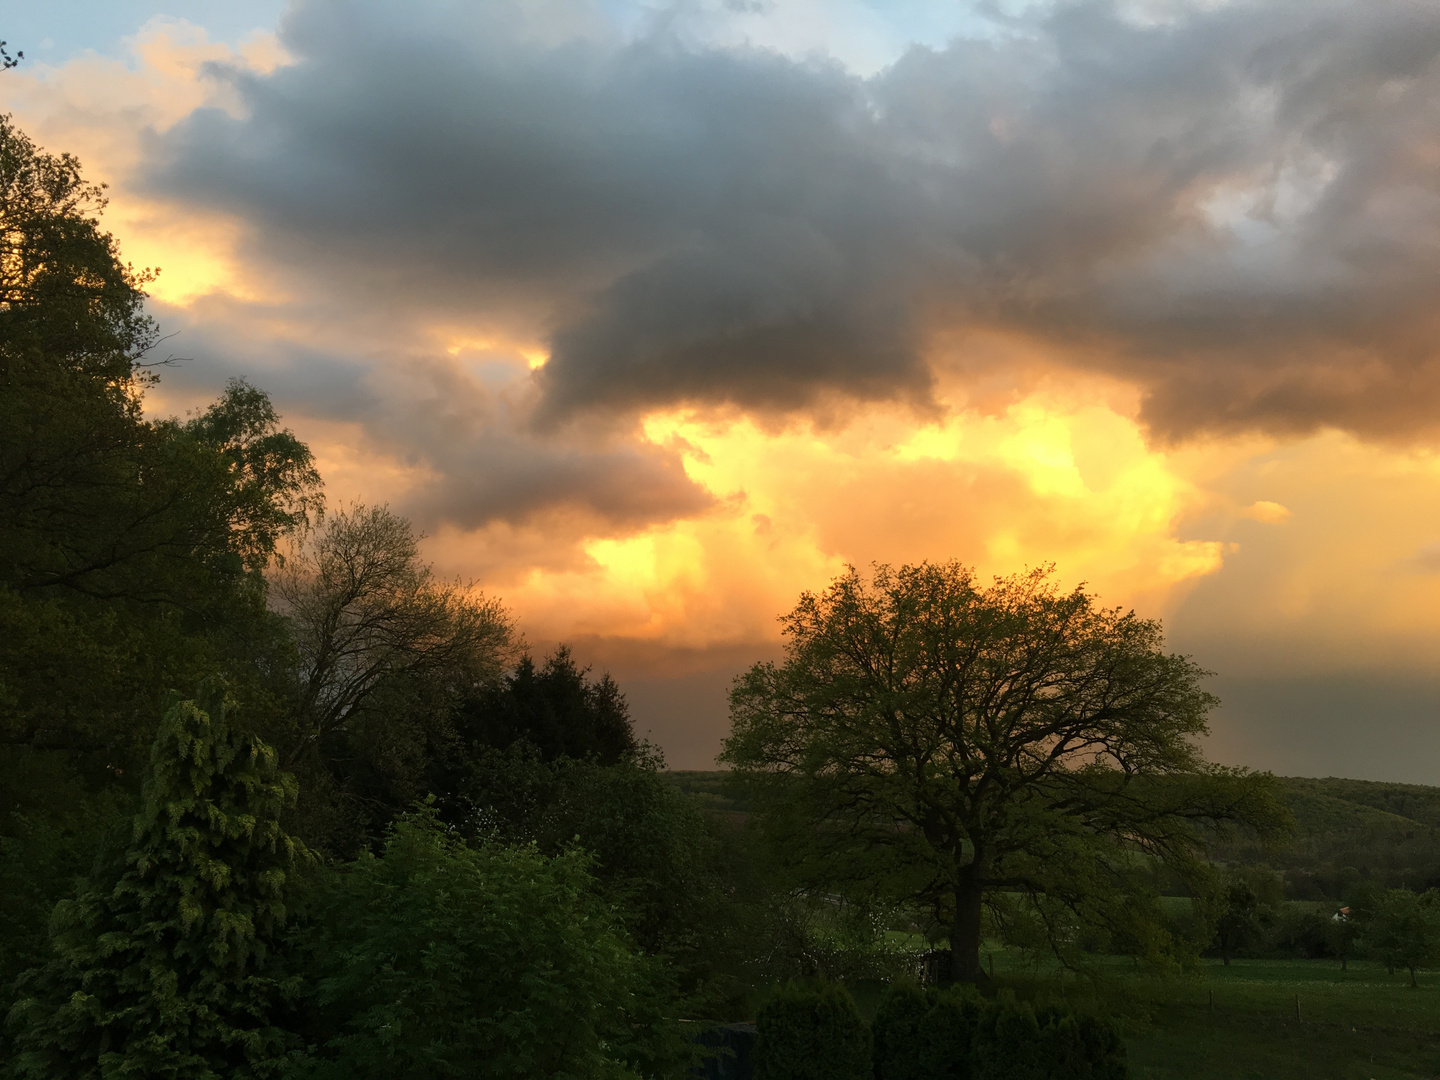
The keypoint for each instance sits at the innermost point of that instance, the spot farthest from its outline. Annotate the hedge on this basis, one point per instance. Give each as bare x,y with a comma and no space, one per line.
811,1031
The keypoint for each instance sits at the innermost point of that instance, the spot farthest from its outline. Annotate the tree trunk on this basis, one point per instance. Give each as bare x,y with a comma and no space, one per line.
965,935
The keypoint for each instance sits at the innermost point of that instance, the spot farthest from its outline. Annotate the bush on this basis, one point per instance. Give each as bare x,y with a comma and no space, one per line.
1008,1044
898,1032
437,959
1079,1046
954,1035
926,1035
811,1031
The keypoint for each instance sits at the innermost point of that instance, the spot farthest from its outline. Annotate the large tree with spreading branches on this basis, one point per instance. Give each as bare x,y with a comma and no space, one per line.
955,743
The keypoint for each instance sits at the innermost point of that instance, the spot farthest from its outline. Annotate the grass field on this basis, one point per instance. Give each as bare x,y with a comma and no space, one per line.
1362,1023
1241,1022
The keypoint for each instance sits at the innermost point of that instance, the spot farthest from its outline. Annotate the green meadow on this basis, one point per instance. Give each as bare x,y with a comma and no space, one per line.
1261,1019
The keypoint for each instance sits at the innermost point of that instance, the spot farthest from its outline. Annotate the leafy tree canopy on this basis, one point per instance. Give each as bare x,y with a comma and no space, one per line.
934,738
655,851
438,959
130,548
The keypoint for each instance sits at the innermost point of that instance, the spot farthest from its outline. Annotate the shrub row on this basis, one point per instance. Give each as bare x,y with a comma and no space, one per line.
812,1031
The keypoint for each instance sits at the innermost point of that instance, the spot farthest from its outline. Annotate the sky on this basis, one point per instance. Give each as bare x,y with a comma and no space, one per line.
654,315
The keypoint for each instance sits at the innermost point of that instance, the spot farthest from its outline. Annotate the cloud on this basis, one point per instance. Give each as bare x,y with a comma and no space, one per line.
1234,206
442,434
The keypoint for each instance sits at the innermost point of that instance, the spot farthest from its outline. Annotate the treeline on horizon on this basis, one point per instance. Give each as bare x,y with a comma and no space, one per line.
275,800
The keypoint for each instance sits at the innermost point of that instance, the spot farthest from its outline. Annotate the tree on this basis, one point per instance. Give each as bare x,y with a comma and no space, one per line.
1239,920
1401,929
556,709
130,549
435,958
50,829
940,740
164,965
922,1035
385,651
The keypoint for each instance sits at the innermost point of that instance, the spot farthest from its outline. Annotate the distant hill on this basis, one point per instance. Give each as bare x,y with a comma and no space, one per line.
1348,833
1415,802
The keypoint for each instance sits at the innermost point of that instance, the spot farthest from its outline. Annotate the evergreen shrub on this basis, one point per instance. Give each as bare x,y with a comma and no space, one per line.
926,1035
811,1031
164,965
1012,1041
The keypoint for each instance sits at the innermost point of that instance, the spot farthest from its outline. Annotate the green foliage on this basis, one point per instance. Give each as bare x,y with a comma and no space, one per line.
1241,914
163,965
437,959
954,1034
811,1031
63,287
1302,930
1401,928
897,1027
1008,1044
926,1034
663,866
49,834
1341,932
935,739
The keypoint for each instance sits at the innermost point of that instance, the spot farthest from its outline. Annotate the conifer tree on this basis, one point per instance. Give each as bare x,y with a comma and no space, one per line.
162,964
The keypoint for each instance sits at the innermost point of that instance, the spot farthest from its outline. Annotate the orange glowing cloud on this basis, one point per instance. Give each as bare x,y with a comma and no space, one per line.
1056,477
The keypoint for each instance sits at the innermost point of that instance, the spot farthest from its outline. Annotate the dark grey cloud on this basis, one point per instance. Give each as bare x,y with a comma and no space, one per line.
1238,207
473,438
